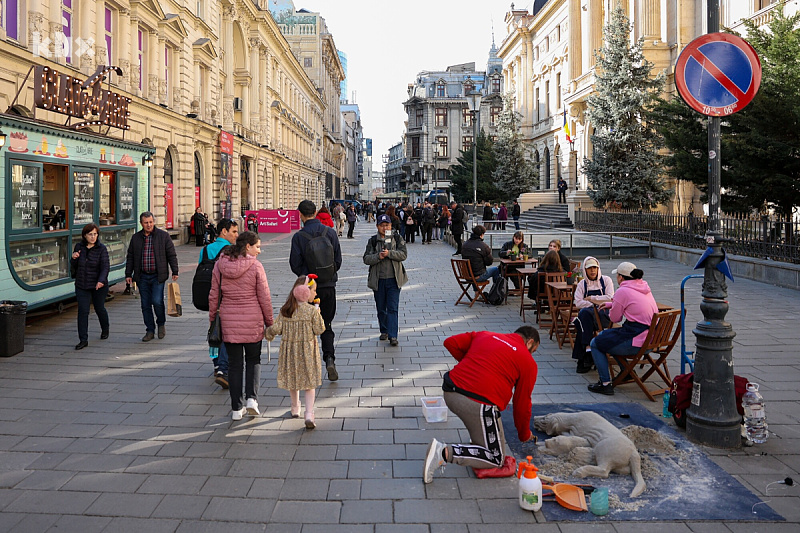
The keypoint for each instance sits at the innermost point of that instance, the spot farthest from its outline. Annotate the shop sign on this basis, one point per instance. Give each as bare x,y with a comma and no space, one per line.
168,206
226,176
86,100
274,220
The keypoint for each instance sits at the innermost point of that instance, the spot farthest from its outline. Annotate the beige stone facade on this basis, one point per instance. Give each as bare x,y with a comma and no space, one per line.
192,71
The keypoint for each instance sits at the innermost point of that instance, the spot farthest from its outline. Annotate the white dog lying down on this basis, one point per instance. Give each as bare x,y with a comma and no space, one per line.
590,433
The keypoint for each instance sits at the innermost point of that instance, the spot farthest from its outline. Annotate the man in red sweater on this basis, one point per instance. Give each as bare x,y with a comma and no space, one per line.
491,367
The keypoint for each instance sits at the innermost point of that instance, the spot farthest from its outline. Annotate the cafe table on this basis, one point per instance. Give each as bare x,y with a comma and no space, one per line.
516,264
559,294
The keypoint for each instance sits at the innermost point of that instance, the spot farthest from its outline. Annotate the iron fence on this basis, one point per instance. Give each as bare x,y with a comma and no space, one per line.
765,237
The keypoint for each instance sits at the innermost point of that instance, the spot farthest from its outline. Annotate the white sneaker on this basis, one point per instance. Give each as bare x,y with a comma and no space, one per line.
252,407
237,415
433,460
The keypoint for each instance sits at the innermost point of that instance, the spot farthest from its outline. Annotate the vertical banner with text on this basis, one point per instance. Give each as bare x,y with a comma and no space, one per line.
168,209
226,173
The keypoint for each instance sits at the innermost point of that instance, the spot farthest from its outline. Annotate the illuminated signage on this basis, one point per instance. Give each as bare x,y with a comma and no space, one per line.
86,100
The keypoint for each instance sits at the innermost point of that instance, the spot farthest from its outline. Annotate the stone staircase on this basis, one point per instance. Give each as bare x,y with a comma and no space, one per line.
546,216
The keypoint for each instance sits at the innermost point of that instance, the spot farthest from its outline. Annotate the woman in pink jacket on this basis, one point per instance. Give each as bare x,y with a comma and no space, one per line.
634,302
245,310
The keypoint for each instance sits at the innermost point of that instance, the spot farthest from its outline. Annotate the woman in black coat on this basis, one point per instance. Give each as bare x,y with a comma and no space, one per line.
89,266
199,221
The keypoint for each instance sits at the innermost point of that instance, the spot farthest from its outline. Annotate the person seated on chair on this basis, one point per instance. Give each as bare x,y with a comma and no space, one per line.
550,264
593,289
516,247
634,302
555,244
480,257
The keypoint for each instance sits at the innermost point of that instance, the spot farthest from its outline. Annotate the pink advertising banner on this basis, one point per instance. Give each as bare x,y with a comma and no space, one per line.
276,221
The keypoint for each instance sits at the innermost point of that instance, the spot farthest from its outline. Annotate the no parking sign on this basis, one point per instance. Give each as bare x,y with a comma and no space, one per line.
718,74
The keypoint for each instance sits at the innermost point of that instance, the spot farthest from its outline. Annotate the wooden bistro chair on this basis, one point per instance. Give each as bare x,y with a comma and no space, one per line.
544,312
566,314
559,301
653,353
462,269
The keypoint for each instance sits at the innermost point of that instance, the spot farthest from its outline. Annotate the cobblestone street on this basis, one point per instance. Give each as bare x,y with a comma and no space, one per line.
132,436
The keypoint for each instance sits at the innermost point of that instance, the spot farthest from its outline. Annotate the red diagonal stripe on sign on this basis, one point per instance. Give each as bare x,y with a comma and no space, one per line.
717,74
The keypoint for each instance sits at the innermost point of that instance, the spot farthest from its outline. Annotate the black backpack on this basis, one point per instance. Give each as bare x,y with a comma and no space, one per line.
497,294
319,256
201,283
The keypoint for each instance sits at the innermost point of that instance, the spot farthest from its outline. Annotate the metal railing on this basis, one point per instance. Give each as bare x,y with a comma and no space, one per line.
579,244
765,237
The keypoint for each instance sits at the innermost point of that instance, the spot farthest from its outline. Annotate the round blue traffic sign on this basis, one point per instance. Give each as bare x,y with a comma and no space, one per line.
718,74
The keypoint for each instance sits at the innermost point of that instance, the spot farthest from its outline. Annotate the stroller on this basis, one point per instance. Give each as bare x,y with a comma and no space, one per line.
252,223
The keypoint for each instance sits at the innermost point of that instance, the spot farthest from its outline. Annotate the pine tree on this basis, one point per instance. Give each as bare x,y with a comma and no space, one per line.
626,167
515,173
461,173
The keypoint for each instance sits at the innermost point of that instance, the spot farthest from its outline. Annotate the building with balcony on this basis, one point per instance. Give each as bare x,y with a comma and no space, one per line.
313,46
439,123
354,150
198,77
394,175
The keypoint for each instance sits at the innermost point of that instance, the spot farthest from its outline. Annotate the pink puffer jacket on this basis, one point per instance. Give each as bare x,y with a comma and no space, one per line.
246,303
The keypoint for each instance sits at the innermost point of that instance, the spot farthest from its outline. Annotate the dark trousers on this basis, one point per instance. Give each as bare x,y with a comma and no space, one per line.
241,355
457,237
427,231
152,294
387,301
410,232
516,222
585,326
562,195
350,227
96,297
327,308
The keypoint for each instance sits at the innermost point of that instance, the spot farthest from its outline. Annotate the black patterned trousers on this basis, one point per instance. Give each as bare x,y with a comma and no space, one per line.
485,431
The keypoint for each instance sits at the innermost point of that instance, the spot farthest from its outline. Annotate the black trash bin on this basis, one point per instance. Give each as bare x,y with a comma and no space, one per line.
12,327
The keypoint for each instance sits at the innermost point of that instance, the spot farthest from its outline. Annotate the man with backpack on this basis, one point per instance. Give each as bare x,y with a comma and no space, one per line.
428,219
316,250
201,287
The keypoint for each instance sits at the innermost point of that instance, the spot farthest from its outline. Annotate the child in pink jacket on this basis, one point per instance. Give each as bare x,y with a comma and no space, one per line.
245,309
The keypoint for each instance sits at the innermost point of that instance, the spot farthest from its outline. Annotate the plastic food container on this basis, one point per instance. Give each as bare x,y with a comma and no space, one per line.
434,409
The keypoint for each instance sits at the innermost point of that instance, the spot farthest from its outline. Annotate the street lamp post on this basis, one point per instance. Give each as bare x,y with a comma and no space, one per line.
474,100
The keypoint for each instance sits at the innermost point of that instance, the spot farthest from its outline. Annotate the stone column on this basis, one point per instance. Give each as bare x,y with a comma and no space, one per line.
596,21
650,19
575,52
228,15
100,49
254,118
123,50
209,185
152,71
264,109
160,66
36,26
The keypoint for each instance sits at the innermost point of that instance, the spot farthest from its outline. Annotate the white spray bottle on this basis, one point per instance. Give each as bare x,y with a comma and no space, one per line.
530,486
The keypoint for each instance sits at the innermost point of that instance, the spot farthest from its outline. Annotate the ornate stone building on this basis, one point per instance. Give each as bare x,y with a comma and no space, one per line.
195,73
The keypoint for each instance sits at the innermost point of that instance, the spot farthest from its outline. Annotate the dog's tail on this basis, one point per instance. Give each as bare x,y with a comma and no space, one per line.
636,474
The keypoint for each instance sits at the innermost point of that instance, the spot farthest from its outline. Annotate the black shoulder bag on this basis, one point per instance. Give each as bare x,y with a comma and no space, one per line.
215,330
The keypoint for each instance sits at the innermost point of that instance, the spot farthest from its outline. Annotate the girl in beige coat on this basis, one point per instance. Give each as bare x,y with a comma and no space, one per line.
299,367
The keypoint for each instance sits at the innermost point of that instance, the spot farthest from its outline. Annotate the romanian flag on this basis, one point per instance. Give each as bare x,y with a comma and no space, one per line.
566,127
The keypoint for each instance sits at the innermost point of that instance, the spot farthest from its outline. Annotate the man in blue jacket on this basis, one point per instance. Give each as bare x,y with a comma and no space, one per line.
228,231
326,290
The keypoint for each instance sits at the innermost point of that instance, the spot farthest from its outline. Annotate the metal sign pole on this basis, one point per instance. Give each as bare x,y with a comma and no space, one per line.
712,418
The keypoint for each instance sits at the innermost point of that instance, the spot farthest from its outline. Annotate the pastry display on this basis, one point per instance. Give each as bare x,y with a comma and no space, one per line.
42,148
18,142
127,161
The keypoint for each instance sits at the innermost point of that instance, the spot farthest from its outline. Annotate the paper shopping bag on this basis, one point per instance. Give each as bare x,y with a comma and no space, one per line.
174,300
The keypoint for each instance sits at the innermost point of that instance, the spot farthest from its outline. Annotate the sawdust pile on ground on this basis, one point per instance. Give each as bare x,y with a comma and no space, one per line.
649,440
615,503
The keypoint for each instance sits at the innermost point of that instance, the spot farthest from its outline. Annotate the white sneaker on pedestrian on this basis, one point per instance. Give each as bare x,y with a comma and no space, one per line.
237,415
252,407
433,460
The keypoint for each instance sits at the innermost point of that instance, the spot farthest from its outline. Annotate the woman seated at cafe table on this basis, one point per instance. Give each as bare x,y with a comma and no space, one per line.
551,263
514,249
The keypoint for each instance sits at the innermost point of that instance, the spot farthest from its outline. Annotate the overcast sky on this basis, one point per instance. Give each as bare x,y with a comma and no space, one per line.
387,43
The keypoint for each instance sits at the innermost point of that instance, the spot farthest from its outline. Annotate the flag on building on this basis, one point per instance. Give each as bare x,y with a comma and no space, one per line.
566,127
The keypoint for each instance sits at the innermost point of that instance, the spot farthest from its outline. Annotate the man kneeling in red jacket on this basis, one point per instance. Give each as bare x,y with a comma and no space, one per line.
491,366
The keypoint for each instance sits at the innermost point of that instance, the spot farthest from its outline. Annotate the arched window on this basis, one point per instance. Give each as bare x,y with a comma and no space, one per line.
167,167
198,180
547,168
538,162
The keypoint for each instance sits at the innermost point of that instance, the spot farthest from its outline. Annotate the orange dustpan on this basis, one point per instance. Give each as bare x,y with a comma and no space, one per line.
568,496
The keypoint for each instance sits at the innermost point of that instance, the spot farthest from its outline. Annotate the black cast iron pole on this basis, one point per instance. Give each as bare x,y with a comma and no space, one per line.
712,418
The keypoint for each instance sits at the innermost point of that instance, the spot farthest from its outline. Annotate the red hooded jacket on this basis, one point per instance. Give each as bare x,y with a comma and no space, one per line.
326,219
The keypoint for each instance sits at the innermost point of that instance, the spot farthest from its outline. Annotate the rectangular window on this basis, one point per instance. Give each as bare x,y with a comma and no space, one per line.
26,181
558,90
420,117
466,117
442,149
415,147
546,105
441,116
308,62
127,187
496,85
83,197
55,205
199,8
167,64
141,58
109,27
440,90
494,116
538,106
108,198
466,143
11,18
40,260
66,21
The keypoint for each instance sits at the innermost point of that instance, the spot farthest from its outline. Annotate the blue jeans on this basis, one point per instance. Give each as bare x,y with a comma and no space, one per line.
85,298
601,361
220,358
516,222
387,301
152,293
491,272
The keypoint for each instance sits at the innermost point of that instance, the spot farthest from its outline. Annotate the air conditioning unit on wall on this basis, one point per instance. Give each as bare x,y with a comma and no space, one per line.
237,104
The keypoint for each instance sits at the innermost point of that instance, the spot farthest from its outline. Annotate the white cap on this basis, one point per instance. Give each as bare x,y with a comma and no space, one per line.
591,262
624,269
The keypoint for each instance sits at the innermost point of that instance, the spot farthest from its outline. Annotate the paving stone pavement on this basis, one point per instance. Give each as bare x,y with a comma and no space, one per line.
132,436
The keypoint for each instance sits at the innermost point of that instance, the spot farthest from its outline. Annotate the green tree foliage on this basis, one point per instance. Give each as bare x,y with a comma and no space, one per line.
760,145
625,167
461,173
515,173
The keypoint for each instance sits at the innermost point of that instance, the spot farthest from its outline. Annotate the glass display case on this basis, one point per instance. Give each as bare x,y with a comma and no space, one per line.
117,241
38,261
